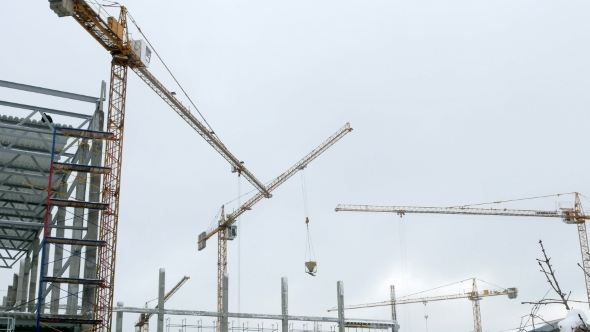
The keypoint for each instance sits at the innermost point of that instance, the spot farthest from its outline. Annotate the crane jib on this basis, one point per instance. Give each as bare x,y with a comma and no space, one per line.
187,116
203,237
401,210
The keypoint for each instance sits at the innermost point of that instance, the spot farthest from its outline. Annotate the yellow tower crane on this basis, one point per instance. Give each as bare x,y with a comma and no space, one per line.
226,229
573,216
113,35
474,296
144,319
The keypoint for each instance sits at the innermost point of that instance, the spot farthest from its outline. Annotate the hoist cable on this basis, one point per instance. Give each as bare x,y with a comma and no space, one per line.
513,200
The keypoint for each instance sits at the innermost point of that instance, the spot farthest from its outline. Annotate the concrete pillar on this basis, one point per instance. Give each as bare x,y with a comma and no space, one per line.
96,156
33,283
44,270
393,309
285,304
12,291
25,289
9,299
161,294
340,290
19,285
80,183
119,327
224,303
60,217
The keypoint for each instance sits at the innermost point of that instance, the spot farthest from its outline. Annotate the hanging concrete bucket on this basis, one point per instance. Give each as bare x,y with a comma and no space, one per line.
311,268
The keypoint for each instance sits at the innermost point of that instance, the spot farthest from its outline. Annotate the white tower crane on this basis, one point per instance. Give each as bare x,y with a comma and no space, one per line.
574,216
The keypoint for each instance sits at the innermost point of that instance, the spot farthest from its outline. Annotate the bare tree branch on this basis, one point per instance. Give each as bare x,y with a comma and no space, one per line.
551,279
583,327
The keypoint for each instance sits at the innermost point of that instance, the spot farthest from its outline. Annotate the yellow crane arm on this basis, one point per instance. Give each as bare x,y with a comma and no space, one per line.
279,180
146,318
511,292
113,37
209,137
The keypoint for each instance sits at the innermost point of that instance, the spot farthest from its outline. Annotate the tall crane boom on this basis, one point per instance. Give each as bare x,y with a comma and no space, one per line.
113,35
574,216
225,221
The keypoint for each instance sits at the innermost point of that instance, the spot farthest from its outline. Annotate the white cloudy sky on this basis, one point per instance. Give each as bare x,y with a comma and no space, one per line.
452,102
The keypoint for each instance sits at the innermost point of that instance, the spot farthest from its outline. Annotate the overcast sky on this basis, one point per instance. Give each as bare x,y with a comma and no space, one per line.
452,102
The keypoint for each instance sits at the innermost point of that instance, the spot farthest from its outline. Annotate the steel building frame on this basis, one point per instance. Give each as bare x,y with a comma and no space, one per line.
25,162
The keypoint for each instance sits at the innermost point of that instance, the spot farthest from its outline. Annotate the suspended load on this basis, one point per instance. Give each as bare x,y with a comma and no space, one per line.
311,266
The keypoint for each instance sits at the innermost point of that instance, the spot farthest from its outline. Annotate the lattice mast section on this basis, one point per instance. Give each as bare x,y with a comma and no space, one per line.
581,218
112,183
476,312
221,263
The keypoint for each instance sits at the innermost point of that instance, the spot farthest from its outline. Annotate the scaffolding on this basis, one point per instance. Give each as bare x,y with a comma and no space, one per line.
76,239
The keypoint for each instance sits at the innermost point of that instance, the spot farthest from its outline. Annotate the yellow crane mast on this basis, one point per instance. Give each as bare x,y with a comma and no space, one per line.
226,222
474,296
113,34
573,216
144,319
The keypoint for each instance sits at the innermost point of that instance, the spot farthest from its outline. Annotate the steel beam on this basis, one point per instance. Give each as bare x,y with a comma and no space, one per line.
44,110
50,92
176,312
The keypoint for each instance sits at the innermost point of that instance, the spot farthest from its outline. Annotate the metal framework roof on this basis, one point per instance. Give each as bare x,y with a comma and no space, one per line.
26,137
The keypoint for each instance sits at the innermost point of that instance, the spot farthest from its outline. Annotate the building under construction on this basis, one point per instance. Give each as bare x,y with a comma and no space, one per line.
59,206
